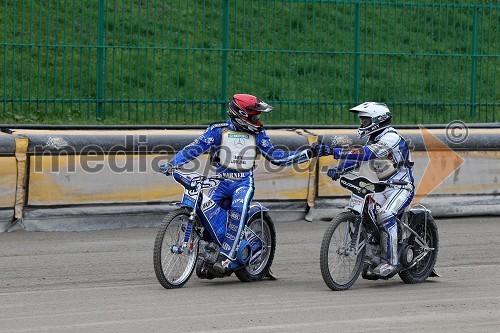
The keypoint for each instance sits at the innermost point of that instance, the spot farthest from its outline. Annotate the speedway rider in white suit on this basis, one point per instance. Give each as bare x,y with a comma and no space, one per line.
391,161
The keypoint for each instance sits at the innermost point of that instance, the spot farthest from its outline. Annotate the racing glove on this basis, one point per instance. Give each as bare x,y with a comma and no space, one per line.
166,169
319,149
333,173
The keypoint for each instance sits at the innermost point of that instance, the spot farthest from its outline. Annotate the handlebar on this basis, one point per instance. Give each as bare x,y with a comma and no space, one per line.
395,182
193,179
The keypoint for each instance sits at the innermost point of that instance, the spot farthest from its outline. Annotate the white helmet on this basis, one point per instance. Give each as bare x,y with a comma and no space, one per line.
378,114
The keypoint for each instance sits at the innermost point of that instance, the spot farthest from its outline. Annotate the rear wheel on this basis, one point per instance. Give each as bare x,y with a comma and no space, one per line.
174,264
428,231
340,265
264,229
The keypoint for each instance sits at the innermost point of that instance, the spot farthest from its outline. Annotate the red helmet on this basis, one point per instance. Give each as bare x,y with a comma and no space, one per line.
244,110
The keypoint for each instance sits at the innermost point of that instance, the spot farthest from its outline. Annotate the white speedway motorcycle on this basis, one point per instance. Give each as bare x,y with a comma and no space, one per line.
348,243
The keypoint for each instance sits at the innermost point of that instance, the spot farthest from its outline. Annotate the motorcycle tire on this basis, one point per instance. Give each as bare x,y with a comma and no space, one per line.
429,232
339,268
173,269
264,228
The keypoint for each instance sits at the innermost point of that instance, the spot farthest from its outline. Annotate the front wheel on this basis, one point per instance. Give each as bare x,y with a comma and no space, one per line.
425,226
264,229
173,262
340,263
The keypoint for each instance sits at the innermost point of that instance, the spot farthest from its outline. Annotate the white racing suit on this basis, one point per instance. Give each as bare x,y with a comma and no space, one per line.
389,157
235,152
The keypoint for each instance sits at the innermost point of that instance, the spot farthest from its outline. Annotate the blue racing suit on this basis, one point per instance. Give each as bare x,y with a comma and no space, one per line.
234,157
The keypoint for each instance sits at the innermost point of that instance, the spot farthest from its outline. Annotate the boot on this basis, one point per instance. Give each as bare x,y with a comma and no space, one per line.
221,264
384,270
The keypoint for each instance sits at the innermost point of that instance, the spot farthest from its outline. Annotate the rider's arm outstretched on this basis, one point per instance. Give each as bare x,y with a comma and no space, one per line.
278,156
383,147
199,146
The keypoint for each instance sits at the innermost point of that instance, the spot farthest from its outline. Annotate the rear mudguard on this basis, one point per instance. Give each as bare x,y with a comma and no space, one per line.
421,210
256,209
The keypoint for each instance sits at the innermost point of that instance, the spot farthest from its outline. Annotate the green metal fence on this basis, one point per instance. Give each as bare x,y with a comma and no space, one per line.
179,61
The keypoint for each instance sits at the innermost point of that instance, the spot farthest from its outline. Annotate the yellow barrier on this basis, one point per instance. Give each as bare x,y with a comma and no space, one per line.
8,178
63,181
67,180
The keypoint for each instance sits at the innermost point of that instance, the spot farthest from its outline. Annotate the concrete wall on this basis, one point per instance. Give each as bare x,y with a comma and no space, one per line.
92,179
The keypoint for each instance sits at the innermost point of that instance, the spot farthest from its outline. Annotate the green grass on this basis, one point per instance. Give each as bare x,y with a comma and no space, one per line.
162,60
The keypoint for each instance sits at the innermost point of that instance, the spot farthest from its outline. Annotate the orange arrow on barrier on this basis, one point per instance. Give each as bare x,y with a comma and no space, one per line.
443,161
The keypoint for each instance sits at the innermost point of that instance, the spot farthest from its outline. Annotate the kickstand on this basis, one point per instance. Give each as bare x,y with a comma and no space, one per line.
434,274
270,275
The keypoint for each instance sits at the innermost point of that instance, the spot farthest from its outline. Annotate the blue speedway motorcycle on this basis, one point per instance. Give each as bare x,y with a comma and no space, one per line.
190,237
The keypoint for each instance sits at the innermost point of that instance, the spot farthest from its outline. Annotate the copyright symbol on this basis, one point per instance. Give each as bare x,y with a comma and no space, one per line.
457,132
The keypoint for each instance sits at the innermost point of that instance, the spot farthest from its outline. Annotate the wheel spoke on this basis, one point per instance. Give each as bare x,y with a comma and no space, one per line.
425,252
263,230
340,266
172,268
165,270
260,230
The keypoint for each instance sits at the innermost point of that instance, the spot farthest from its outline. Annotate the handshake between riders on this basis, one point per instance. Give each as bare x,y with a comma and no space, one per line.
235,143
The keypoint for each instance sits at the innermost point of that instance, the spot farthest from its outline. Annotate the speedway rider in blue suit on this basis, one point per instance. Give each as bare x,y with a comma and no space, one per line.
389,157
235,143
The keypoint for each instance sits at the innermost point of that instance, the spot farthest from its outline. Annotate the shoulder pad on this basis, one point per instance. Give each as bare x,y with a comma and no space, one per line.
391,130
390,138
217,125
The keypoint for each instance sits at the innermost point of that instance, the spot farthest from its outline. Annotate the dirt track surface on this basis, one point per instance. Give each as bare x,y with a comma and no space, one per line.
103,281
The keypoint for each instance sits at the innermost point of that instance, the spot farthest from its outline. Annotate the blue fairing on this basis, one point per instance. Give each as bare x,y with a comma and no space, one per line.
182,205
216,227
184,181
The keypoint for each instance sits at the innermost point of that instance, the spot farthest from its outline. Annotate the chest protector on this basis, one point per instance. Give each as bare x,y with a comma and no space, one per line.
384,167
237,150
387,166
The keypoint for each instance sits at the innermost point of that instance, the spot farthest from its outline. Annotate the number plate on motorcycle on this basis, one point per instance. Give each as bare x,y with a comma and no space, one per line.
356,203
